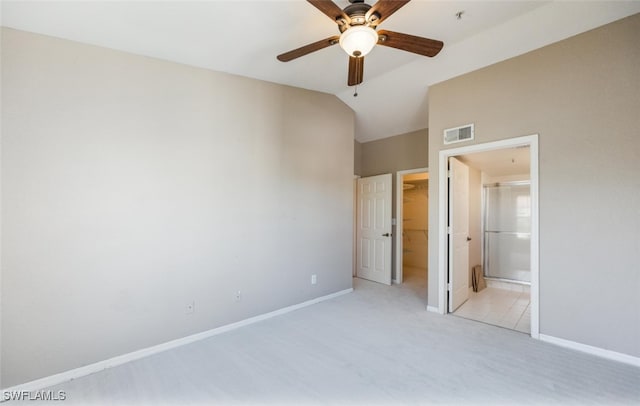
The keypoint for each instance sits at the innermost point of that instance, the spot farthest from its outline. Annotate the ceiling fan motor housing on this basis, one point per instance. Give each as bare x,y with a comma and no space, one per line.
357,12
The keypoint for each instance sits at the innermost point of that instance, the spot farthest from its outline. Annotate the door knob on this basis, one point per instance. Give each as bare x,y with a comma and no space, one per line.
468,238
386,235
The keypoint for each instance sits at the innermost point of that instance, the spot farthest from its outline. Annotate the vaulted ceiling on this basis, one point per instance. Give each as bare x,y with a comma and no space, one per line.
244,37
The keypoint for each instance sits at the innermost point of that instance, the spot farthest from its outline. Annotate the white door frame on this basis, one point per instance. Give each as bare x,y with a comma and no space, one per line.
532,142
399,224
355,223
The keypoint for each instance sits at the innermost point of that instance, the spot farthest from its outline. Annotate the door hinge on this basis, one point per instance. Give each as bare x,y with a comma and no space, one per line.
449,230
449,173
449,287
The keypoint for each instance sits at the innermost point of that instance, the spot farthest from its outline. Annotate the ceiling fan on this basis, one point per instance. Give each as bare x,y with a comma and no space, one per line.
358,24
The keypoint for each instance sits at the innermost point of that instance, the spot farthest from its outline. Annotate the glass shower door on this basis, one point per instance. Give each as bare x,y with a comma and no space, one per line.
507,231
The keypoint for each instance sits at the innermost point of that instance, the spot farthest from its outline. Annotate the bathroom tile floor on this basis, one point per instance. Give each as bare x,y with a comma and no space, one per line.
508,308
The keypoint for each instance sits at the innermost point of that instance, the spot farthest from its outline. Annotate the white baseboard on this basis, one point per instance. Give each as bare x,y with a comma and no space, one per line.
66,376
600,352
433,309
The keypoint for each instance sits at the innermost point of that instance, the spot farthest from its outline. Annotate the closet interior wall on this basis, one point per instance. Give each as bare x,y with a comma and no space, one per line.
415,211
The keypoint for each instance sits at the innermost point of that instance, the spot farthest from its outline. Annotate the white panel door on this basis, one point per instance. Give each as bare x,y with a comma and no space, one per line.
459,234
373,248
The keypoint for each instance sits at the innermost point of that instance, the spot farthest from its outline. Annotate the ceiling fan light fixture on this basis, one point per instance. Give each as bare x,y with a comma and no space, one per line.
358,40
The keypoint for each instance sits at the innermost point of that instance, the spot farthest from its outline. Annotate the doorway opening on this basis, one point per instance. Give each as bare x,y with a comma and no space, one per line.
499,238
488,218
412,229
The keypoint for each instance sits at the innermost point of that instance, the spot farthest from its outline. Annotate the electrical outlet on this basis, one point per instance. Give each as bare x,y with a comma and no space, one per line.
314,279
191,307
238,296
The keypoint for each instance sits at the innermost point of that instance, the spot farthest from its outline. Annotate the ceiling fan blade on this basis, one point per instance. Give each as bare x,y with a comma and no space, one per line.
307,49
356,70
410,43
384,8
331,10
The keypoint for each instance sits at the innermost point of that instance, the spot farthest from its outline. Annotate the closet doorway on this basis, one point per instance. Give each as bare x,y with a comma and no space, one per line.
412,228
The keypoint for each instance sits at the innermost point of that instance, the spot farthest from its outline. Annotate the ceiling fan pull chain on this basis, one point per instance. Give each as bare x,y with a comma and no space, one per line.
355,94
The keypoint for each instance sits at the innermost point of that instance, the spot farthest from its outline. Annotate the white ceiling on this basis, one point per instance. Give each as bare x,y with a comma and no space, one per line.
500,162
244,37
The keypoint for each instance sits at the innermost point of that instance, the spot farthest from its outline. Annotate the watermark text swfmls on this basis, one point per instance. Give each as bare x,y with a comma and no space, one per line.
48,395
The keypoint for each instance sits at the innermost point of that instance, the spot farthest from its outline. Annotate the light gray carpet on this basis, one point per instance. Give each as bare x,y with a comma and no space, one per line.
375,346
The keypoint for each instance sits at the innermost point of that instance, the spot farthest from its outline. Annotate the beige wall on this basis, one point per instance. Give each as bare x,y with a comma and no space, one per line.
475,220
400,152
134,186
357,158
581,96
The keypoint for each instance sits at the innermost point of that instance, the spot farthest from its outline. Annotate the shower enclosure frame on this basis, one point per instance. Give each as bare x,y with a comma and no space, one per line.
483,234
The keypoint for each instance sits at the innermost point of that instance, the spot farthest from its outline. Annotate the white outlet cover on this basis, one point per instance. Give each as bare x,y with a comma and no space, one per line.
314,279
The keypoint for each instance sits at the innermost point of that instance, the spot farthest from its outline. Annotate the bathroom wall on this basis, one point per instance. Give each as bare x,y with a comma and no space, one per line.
475,220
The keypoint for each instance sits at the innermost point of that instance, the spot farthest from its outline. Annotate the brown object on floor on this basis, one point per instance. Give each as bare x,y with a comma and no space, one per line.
477,279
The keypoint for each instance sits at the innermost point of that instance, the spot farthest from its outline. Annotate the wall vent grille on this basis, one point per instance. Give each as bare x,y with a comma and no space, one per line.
458,134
